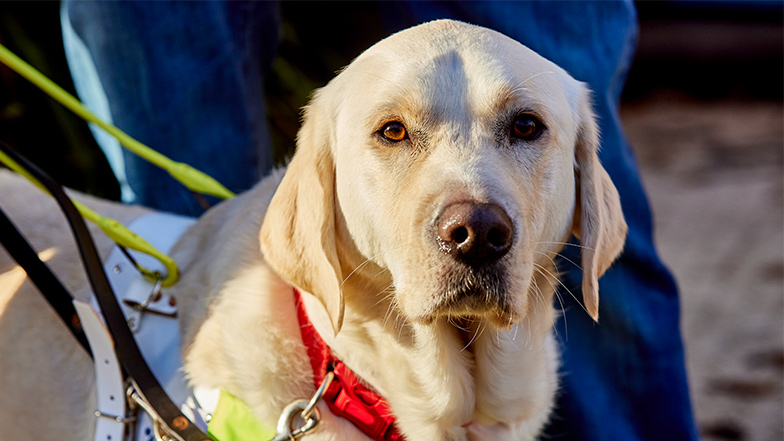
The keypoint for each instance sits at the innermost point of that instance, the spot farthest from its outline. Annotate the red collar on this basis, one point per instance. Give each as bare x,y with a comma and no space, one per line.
346,396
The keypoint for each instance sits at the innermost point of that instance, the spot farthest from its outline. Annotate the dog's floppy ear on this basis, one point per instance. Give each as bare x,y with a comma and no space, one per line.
598,220
298,233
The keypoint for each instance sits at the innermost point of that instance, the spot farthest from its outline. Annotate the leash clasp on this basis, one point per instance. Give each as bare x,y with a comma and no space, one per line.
160,431
302,410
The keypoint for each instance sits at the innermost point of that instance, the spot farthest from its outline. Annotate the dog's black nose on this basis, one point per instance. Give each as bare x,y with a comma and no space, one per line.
475,233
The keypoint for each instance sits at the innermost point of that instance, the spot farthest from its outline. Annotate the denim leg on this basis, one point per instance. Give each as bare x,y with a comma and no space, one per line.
186,79
624,378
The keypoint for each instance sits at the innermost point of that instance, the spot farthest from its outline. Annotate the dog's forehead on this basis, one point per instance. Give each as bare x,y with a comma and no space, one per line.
447,62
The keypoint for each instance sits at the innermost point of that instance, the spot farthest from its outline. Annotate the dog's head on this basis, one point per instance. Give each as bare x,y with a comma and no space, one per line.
447,161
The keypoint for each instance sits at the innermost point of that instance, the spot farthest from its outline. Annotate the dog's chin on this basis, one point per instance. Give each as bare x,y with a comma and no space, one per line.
479,307
483,296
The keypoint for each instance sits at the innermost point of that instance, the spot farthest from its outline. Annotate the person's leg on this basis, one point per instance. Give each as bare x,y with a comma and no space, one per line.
624,378
184,78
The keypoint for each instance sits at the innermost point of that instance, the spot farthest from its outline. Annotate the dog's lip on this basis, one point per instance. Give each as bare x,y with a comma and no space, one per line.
469,291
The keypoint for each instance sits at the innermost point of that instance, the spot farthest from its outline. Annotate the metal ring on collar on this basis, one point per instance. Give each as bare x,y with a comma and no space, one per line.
308,411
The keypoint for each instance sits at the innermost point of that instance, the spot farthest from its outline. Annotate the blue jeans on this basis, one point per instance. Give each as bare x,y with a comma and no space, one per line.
183,77
623,379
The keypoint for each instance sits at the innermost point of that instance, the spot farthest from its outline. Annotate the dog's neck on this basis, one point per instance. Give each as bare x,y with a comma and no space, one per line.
445,379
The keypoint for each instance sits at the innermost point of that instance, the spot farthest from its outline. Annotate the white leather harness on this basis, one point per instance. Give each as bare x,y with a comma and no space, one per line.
156,330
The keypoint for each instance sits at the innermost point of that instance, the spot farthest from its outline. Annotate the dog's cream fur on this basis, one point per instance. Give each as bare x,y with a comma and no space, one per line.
351,223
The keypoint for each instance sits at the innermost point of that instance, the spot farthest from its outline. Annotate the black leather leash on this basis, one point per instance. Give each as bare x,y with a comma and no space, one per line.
125,345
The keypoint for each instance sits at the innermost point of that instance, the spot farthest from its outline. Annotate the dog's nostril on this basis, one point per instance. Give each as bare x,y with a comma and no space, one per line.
460,235
498,237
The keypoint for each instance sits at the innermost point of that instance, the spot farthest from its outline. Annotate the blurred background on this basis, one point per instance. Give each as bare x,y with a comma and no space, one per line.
703,109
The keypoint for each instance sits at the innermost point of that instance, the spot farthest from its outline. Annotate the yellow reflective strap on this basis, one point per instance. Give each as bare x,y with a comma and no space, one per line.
112,228
193,179
234,421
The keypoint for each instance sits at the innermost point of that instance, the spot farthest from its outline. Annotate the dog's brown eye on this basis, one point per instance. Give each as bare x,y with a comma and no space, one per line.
394,131
527,127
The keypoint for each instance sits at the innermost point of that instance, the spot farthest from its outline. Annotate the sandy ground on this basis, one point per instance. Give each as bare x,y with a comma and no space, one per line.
713,171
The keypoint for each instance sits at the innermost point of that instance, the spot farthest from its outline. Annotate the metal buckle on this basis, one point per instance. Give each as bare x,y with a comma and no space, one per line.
303,410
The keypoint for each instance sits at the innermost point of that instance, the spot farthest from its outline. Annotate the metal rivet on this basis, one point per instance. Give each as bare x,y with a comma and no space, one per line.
180,423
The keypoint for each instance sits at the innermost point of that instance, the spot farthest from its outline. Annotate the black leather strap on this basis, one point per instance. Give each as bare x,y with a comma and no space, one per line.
42,277
125,345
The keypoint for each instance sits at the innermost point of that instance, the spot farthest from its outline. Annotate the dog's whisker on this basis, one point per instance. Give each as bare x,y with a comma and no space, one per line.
402,325
538,294
511,337
383,270
363,264
529,344
390,307
555,266
386,297
388,313
359,267
556,279
521,86
456,325
513,340
476,333
578,266
510,92
567,244
557,296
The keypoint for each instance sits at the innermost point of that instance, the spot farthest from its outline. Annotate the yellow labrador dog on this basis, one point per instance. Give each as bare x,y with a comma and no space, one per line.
435,179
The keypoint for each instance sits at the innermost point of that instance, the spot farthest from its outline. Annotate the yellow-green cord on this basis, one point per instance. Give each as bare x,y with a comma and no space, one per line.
193,179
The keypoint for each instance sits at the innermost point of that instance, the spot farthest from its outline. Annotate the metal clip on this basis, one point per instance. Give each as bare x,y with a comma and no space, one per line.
159,430
155,294
135,322
303,410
